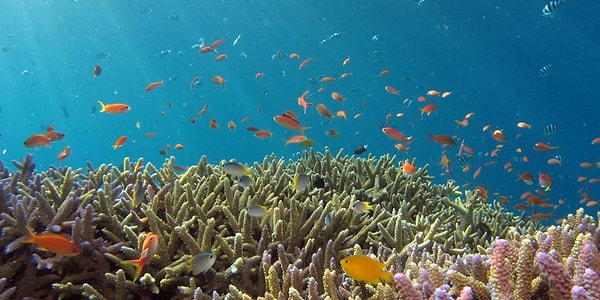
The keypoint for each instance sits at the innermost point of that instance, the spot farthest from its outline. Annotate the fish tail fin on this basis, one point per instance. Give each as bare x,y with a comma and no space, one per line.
388,277
103,107
304,128
430,137
138,264
30,236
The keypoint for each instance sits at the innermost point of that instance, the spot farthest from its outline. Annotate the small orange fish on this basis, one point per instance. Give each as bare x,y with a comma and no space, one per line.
304,63
218,80
213,124
395,134
596,141
116,108
302,102
263,134
149,246
499,136
296,139
341,114
258,75
52,242
443,140
64,154
346,61
245,119
294,56
462,123
446,94
445,163
327,79
37,140
194,82
221,57
544,147
421,99
477,172
433,93
97,70
203,110
231,125
428,109
289,123
408,168
336,96
401,147
345,75
153,85
217,43
324,111
523,125
120,141
392,90
179,147
384,73
150,134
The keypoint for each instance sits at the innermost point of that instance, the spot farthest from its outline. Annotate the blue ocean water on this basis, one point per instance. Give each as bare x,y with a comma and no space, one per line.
486,53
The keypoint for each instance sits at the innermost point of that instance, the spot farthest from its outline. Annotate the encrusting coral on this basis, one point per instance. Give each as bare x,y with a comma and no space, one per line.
435,241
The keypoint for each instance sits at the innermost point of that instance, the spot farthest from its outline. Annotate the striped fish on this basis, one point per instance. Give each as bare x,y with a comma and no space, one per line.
551,129
545,70
552,7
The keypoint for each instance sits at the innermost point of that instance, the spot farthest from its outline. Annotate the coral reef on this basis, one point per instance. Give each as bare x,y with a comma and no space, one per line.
438,241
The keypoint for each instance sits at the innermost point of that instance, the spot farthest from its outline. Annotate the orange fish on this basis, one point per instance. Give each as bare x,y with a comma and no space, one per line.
346,61
401,147
296,139
541,216
345,75
289,123
327,79
445,163
596,141
149,246
545,181
194,81
245,119
150,134
421,99
523,125
206,49
221,57
337,97
392,90
444,140
304,63
477,172
263,134
258,75
428,109
120,141
218,80
62,155
213,124
294,56
341,114
203,110
54,135
544,147
384,73
231,125
216,43
116,108
37,140
153,85
52,242
446,94
324,111
462,123
252,128
395,134
179,147
433,93
97,70
408,168
499,136
302,102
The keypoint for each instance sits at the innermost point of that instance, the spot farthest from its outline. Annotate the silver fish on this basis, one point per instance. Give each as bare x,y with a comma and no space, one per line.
202,262
235,169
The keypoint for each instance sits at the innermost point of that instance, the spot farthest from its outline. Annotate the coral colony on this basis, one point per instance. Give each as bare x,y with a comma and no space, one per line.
194,237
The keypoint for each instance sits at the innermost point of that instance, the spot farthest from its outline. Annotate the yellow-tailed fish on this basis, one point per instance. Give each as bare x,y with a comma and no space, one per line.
362,206
300,182
236,169
245,181
256,210
149,246
139,194
201,263
363,268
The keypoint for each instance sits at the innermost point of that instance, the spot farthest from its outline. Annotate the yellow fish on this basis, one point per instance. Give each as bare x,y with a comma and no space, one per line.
363,268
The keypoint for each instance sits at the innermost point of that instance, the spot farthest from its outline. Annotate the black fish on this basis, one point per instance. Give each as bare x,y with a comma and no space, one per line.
320,183
360,150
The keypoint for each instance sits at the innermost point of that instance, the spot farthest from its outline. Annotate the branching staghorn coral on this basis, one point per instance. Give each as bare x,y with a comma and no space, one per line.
293,252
